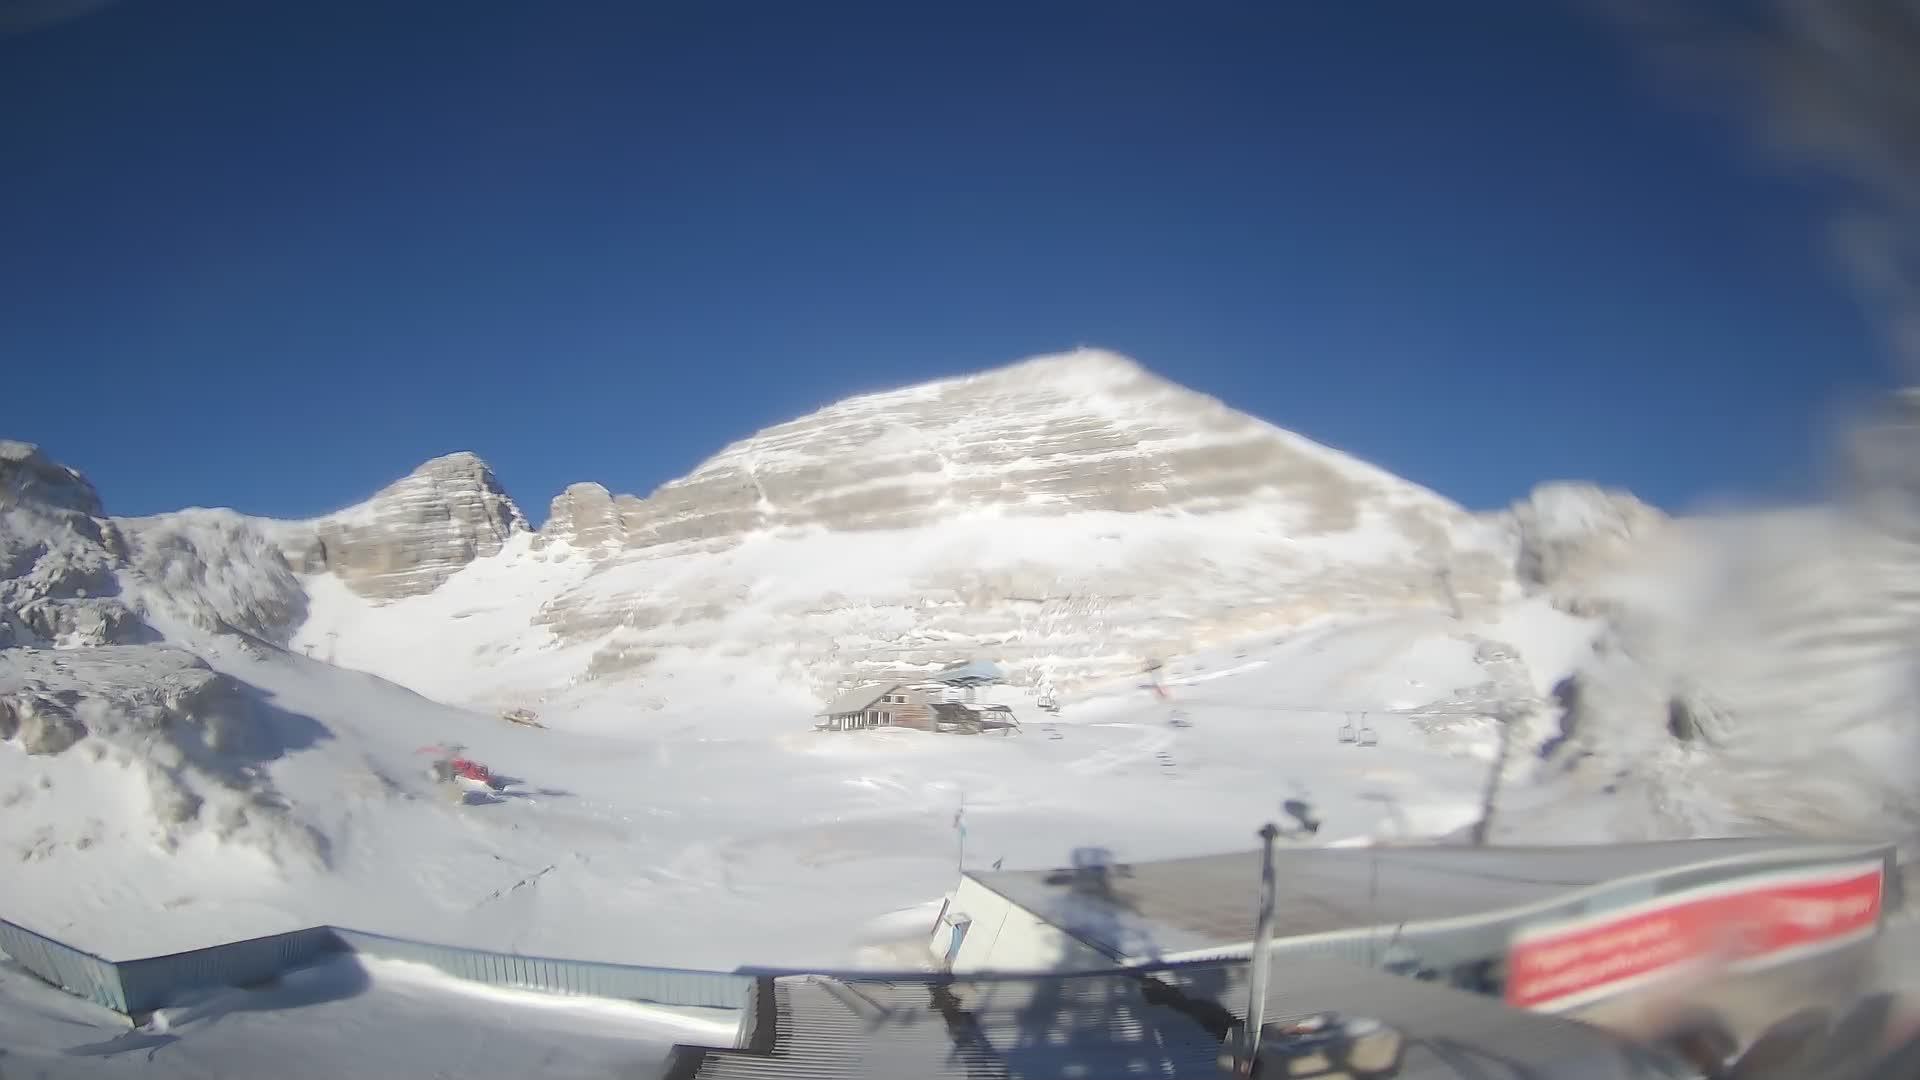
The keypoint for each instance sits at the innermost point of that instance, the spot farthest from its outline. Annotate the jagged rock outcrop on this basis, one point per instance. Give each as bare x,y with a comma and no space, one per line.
1566,534
412,535
217,571
586,517
59,558
43,723
27,475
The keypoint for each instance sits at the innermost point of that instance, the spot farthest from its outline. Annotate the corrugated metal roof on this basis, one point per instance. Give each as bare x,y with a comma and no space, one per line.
859,699
981,671
1190,905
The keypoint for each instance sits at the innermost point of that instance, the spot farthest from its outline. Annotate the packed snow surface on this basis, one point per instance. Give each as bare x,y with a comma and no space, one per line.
711,838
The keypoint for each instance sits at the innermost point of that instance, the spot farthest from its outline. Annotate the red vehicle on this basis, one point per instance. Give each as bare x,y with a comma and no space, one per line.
450,767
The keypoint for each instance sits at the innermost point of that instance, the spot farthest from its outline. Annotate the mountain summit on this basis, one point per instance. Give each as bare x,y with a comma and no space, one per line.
1083,432
411,535
1070,514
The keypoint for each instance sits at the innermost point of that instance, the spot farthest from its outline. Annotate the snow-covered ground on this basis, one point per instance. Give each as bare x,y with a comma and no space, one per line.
679,810
712,837
348,1016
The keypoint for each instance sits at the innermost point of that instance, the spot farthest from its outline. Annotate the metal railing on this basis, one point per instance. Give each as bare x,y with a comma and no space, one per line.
142,985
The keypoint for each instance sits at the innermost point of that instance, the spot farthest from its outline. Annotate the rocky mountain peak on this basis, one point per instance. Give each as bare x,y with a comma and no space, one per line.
27,474
584,515
414,533
1083,431
1069,512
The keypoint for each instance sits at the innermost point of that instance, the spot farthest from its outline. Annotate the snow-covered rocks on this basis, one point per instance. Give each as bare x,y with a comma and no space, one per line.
586,517
194,738
1757,673
28,475
43,723
59,559
215,570
1566,533
412,535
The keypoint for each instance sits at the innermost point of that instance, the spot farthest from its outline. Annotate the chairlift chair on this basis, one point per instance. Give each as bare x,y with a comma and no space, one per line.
1346,732
1367,736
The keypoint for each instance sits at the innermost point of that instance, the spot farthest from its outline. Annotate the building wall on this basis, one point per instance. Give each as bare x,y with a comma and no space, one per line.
899,707
1006,937
909,708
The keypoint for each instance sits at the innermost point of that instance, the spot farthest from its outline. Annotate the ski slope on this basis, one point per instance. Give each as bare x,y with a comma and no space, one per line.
714,838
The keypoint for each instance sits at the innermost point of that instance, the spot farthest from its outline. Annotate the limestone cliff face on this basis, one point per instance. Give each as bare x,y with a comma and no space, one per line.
1070,514
413,534
586,517
1083,432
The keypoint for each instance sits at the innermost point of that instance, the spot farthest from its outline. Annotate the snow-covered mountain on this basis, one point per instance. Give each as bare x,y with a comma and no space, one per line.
199,710
1071,515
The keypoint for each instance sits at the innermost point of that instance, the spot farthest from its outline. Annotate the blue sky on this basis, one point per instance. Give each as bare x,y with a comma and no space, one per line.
273,255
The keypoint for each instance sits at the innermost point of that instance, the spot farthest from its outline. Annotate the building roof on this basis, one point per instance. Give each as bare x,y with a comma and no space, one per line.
1447,1032
969,708
968,671
1126,1024
858,699
1193,905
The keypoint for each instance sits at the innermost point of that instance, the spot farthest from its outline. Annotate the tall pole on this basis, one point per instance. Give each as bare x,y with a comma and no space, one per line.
1262,946
1490,794
960,836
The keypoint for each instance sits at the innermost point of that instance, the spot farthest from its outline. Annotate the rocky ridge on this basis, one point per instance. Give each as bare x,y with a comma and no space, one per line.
84,669
411,535
1088,431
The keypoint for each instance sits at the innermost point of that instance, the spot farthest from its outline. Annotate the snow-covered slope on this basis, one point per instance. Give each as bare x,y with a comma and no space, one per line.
197,730
682,812
748,840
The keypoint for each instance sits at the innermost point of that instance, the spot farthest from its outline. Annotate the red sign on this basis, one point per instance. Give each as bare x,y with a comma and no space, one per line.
1746,923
